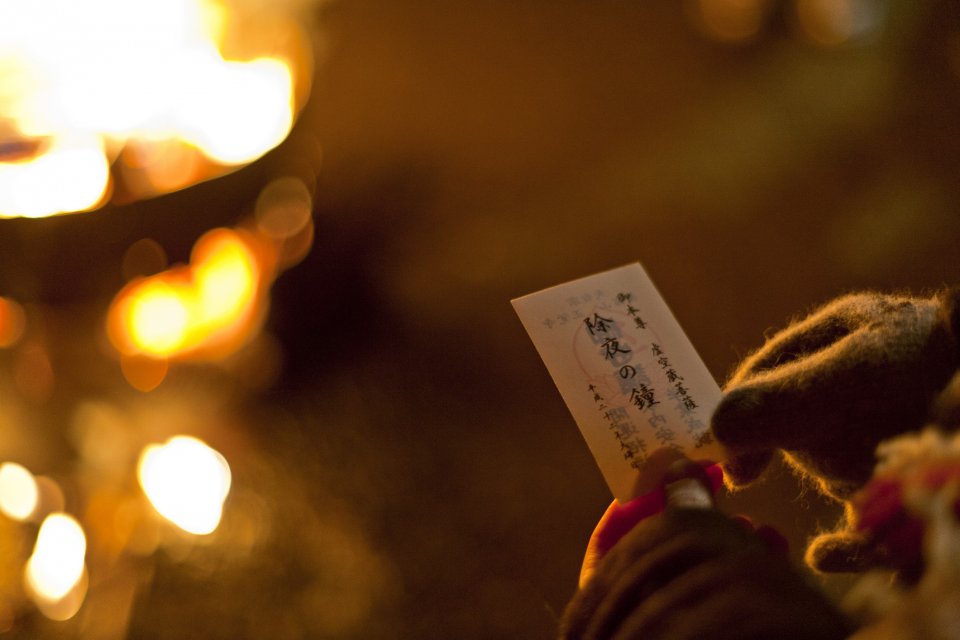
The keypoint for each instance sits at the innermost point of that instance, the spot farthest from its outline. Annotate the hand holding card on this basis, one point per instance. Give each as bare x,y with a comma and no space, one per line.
635,385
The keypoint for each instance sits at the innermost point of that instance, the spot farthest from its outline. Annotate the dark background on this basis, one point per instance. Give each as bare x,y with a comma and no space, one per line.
412,471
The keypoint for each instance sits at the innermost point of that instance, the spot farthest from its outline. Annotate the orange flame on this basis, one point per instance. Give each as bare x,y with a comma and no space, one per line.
148,81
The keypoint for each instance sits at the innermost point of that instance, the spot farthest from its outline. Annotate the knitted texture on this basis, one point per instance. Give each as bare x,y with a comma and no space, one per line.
829,388
885,524
908,515
691,574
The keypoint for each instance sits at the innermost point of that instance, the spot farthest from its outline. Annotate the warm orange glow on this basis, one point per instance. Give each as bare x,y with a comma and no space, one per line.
158,318
19,494
13,321
187,482
729,20
83,80
142,373
57,563
144,257
284,215
226,276
70,175
836,22
33,372
192,310
237,111
210,308
284,208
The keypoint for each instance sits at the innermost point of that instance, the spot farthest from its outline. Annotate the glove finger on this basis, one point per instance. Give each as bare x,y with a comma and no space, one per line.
743,469
841,552
805,399
815,332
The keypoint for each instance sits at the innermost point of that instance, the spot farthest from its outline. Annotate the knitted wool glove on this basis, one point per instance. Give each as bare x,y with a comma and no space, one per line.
695,574
828,389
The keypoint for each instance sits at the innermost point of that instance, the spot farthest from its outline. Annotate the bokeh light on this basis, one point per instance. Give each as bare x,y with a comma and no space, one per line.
144,257
19,494
284,215
729,20
57,563
158,318
187,482
210,308
13,321
227,278
205,307
837,22
33,372
76,164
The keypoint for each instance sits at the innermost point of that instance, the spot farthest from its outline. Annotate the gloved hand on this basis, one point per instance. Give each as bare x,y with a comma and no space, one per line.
829,388
691,574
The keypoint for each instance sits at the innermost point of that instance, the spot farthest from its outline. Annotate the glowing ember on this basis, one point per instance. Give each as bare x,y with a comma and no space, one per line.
159,84
187,483
18,491
57,563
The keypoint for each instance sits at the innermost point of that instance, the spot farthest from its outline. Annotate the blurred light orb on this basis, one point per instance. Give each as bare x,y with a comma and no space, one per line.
729,21
158,318
144,257
33,372
187,483
76,164
284,215
226,275
13,322
57,563
284,207
143,373
836,22
19,494
205,309
236,111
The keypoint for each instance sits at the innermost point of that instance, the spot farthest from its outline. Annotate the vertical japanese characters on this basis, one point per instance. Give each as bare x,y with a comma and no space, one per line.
629,375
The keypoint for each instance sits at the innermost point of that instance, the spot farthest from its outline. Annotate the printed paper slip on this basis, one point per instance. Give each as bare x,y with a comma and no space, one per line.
635,385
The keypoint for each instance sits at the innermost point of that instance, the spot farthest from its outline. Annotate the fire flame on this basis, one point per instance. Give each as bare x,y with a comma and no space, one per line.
148,82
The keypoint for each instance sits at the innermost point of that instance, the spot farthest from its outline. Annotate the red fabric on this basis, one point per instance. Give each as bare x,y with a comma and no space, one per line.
882,515
879,502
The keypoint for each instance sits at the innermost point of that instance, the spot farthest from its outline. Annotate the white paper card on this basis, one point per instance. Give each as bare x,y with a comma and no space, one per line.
635,385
